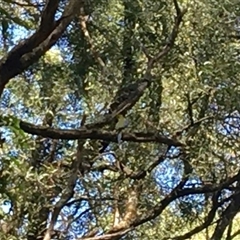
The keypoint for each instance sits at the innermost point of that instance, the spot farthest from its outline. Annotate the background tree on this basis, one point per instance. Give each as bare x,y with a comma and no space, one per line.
176,173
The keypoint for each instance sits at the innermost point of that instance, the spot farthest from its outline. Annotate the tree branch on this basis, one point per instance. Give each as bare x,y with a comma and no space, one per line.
30,50
205,224
171,39
110,236
48,16
227,217
68,192
83,133
178,192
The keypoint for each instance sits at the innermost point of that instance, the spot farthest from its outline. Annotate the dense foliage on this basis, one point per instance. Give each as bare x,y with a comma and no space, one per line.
175,173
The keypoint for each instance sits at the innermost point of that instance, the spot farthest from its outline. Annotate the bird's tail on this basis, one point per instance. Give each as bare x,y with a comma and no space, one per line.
103,146
119,124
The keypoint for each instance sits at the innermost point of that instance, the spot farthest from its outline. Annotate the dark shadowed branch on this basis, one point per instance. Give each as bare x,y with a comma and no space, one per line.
30,50
73,134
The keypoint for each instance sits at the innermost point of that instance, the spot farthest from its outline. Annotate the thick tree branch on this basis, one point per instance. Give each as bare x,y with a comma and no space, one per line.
30,50
206,223
48,16
227,217
96,134
178,192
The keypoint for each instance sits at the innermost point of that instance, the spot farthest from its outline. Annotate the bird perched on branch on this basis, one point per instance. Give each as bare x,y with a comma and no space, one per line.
125,98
